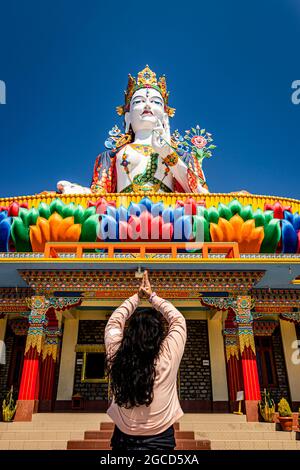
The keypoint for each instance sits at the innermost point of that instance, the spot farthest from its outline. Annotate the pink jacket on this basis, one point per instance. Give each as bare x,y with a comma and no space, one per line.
165,408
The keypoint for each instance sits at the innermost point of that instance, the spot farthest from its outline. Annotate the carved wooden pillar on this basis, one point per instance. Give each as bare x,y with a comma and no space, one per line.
244,322
30,381
233,363
50,355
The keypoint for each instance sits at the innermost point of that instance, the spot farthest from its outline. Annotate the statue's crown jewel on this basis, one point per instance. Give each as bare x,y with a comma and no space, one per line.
146,79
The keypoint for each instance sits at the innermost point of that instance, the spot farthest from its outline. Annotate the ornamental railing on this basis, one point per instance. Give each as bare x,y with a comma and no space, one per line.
230,249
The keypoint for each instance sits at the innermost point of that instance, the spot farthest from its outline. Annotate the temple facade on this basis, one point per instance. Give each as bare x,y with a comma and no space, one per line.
238,288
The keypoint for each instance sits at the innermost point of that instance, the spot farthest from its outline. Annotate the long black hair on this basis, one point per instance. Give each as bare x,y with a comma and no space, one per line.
132,368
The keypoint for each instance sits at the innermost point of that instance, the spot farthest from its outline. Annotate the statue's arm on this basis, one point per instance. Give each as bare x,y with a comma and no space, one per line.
187,172
104,179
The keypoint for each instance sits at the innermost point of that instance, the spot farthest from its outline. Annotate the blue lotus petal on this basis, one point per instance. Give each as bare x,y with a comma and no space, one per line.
147,203
289,217
168,215
111,211
289,237
183,228
178,212
109,229
3,215
5,228
296,223
157,208
123,214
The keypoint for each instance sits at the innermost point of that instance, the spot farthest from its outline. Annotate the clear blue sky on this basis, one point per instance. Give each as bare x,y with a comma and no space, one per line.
229,67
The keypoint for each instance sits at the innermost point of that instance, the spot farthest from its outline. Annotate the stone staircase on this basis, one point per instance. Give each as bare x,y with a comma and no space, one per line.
185,440
55,431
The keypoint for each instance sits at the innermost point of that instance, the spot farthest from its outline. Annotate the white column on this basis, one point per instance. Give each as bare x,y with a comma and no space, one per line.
217,358
67,362
292,357
3,323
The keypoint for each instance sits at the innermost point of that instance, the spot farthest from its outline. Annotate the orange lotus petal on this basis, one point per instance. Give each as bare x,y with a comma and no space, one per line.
216,233
247,229
254,241
72,234
36,239
63,227
227,229
44,227
54,221
237,222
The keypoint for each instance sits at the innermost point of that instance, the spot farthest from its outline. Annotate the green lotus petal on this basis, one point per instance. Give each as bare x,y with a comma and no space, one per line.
57,206
20,235
235,207
202,211
269,215
78,214
272,237
89,229
224,211
247,212
88,212
68,210
28,216
213,215
44,210
201,229
259,218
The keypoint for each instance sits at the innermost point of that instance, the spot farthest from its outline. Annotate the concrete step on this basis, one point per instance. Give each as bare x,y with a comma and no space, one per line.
244,435
110,426
32,445
41,435
108,434
97,444
65,417
220,426
255,445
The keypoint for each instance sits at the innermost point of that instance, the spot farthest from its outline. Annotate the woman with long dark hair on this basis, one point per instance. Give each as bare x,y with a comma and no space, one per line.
142,363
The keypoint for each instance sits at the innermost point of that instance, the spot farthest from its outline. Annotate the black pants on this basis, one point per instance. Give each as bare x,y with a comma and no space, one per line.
125,442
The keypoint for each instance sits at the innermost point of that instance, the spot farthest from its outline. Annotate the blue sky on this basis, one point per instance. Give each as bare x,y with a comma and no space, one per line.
229,67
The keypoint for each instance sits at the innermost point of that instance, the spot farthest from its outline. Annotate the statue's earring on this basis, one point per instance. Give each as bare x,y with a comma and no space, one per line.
127,123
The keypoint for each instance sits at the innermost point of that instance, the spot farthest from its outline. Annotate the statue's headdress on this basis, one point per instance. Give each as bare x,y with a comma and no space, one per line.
146,79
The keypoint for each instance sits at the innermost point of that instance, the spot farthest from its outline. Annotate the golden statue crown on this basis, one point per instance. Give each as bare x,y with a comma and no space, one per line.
146,79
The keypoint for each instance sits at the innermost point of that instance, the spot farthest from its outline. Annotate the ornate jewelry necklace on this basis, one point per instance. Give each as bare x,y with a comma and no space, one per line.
141,182
144,149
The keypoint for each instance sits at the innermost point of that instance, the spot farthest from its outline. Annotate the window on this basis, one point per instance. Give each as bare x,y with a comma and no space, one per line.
93,368
93,362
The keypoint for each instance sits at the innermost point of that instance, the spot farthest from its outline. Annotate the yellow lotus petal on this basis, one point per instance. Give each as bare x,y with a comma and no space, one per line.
54,222
63,227
236,222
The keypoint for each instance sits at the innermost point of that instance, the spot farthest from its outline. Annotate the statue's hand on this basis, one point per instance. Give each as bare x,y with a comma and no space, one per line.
161,140
66,187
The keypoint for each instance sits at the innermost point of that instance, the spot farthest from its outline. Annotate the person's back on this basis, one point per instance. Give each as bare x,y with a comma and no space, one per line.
143,367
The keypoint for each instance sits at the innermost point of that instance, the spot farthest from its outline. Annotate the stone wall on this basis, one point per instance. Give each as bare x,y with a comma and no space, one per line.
195,378
90,332
195,381
4,368
282,388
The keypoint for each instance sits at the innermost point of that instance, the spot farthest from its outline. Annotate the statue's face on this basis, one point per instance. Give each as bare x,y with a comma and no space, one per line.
146,107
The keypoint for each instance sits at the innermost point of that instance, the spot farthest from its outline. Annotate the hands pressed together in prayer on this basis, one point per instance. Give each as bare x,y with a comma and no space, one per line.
145,289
